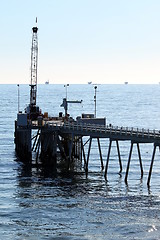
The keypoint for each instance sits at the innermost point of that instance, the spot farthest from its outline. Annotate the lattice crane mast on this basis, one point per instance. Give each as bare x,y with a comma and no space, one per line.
34,61
33,110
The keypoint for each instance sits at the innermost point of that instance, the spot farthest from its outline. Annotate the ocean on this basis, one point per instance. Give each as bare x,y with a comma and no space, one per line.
37,204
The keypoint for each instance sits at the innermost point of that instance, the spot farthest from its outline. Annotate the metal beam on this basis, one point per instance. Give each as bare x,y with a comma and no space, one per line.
70,147
140,160
130,154
100,153
39,143
109,150
89,149
84,156
150,171
61,148
119,156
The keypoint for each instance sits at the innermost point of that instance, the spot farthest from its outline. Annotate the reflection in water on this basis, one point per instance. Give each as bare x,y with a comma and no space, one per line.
71,206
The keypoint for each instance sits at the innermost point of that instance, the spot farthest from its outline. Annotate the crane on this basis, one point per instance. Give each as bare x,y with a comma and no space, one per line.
33,110
34,60
65,105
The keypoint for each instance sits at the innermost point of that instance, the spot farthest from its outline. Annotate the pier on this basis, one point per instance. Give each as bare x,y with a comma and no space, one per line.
66,139
44,139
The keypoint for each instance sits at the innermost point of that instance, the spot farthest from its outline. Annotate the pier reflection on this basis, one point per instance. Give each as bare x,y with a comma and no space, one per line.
55,203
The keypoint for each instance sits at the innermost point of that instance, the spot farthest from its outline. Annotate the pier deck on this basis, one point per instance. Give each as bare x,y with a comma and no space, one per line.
99,131
68,138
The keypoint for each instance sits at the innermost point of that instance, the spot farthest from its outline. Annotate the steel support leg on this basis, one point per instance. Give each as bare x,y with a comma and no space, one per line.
140,160
38,139
89,149
150,171
61,148
84,156
35,140
70,148
37,155
100,153
119,156
130,154
109,150
70,152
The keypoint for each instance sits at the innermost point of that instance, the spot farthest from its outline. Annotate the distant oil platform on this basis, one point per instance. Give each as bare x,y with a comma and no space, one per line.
47,82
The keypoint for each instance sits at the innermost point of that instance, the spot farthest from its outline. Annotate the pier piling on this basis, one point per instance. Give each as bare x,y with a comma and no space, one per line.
107,162
100,153
140,160
129,159
151,166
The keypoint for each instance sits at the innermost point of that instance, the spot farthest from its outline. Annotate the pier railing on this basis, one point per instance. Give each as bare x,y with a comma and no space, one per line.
128,133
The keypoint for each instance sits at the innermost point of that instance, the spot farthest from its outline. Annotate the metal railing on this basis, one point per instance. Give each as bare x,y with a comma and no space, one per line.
109,129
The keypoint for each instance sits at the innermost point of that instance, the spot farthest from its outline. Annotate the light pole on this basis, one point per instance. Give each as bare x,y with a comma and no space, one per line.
95,100
18,97
66,85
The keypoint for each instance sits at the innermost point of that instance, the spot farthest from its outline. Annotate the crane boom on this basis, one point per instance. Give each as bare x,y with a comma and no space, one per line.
65,104
32,109
34,61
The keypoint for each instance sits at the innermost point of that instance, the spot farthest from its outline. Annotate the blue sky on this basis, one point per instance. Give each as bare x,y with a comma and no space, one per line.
102,41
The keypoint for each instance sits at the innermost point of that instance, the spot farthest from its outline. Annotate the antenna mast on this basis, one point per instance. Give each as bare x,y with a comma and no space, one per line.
34,61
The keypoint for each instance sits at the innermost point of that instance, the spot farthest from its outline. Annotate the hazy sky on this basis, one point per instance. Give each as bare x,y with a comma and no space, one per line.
103,41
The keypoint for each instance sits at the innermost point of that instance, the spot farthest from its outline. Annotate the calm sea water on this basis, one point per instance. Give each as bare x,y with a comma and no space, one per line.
36,204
